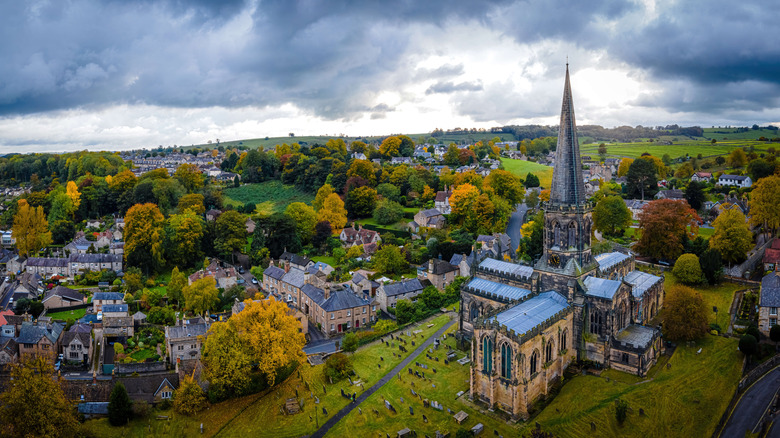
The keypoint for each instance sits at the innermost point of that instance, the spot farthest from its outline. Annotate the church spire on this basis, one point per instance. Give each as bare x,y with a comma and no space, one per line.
567,185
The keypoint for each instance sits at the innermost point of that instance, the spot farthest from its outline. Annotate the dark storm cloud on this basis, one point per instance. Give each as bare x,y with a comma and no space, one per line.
451,87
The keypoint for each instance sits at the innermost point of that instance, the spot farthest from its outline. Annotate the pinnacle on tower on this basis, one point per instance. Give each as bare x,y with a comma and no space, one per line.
567,185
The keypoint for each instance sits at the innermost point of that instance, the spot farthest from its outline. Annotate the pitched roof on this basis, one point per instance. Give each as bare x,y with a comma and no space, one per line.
440,267
638,336
601,287
31,333
641,281
95,258
294,277
533,312
274,272
64,292
491,288
567,184
770,290
186,330
339,299
403,287
47,262
3,315
295,258
442,196
105,296
734,177
610,259
114,308
69,336
431,212
506,268
771,255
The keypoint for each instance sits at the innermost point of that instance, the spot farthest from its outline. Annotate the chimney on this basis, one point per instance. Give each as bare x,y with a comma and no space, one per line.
305,277
430,266
286,266
327,291
271,263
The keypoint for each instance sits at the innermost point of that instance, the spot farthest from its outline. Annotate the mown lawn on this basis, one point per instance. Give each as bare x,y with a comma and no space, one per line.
326,259
678,149
685,400
442,386
522,167
68,314
719,295
269,197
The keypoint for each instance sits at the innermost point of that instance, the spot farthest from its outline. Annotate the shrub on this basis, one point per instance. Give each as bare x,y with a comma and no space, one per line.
774,333
119,405
337,366
119,348
385,326
748,345
189,398
686,315
753,331
687,269
621,410
350,342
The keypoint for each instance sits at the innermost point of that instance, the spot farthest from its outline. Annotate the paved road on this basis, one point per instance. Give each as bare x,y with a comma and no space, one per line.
752,405
5,294
328,346
342,413
515,222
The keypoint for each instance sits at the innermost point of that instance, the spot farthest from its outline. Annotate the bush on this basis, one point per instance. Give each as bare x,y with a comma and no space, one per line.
119,405
350,342
687,269
753,331
774,333
686,315
189,398
337,366
748,345
119,348
386,326
621,410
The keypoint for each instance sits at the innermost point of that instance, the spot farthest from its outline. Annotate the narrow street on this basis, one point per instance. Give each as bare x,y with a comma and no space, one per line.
514,224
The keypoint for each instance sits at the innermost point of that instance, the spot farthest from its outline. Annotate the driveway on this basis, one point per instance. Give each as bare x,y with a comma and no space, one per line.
752,405
515,222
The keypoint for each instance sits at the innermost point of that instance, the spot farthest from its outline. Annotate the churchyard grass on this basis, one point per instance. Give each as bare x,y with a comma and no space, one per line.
682,401
522,167
719,295
448,381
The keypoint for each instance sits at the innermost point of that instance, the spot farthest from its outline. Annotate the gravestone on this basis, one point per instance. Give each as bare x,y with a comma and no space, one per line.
342,392
324,411
641,411
360,411
446,362
402,399
316,400
592,426
425,419
381,358
476,430
434,370
410,370
412,343
411,410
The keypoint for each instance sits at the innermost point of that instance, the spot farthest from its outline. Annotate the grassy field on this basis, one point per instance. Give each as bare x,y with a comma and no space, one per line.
522,167
719,295
685,400
68,314
326,259
269,196
692,148
443,387
733,135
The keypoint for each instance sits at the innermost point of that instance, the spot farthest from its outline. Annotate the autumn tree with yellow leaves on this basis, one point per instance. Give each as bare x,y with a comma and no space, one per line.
764,200
144,232
334,212
264,335
74,195
30,229
201,296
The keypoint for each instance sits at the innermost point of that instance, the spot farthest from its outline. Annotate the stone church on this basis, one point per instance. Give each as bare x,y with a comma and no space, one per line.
526,324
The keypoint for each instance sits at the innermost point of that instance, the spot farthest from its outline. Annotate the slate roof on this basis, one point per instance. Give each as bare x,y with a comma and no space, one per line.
457,258
80,328
47,262
770,290
95,258
403,287
488,287
339,299
105,296
440,267
117,321
533,312
610,259
294,277
139,316
641,281
114,308
638,336
601,287
187,330
295,259
431,212
69,336
93,408
507,268
64,292
734,177
357,278
274,272
32,333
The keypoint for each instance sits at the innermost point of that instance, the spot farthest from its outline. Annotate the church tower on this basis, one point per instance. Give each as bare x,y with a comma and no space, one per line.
567,215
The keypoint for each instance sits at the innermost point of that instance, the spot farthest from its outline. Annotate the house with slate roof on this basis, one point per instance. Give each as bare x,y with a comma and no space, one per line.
40,339
441,273
77,345
336,309
101,298
295,260
184,341
431,218
61,296
735,180
387,295
769,302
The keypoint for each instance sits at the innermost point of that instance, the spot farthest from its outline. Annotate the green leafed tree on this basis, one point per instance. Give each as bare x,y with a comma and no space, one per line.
201,295
120,407
687,269
611,216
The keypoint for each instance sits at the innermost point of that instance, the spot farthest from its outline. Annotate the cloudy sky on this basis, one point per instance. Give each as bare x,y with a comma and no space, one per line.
119,74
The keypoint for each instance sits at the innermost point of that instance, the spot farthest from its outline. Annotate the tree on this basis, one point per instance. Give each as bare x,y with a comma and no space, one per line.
192,201
189,398
532,200
333,212
663,224
337,366
363,169
452,156
611,216
687,269
711,265
176,285
389,260
189,176
230,230
774,333
621,410
350,342
322,231
281,234
389,191
463,198
73,193
531,180
732,236
144,231
184,238
748,345
737,158
694,195
390,147
226,360
34,384
120,407
30,229
388,212
361,202
603,151
763,203
686,315
62,231
322,194
304,217
506,185
201,295
685,171
641,179
625,164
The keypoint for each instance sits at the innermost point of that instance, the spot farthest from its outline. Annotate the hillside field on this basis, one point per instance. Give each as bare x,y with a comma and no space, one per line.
522,167
692,148
269,196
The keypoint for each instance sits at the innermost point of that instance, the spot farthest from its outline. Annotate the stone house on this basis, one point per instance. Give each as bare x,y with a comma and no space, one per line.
498,244
77,346
61,296
294,260
101,298
336,309
42,339
118,326
441,273
771,258
735,180
387,295
431,218
184,341
16,265
442,201
9,350
769,302
361,285
80,263
463,262
48,267
361,236
701,177
224,277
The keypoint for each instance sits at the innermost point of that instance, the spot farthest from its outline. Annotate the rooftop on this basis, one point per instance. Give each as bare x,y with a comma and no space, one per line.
641,282
638,336
610,259
770,290
507,268
403,287
488,287
532,313
601,287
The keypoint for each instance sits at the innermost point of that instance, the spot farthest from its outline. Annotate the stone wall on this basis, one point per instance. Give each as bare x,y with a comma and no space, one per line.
142,367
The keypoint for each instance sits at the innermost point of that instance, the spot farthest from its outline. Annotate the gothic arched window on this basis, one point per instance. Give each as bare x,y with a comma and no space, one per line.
474,314
487,354
549,352
506,361
534,361
564,335
572,234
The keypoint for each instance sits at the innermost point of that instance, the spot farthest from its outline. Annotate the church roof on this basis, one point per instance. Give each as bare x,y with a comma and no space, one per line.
601,287
567,183
533,312
638,336
488,287
610,259
641,282
507,268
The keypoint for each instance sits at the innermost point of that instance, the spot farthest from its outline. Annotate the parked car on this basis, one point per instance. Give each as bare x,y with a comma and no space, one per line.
254,280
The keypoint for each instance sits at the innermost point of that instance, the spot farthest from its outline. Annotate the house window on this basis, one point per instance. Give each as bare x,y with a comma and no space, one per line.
74,355
332,316
773,310
349,313
372,318
166,394
373,308
364,321
624,358
772,321
364,310
331,327
349,325
181,347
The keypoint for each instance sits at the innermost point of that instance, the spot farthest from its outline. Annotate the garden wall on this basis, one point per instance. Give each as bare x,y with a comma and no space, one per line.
142,367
